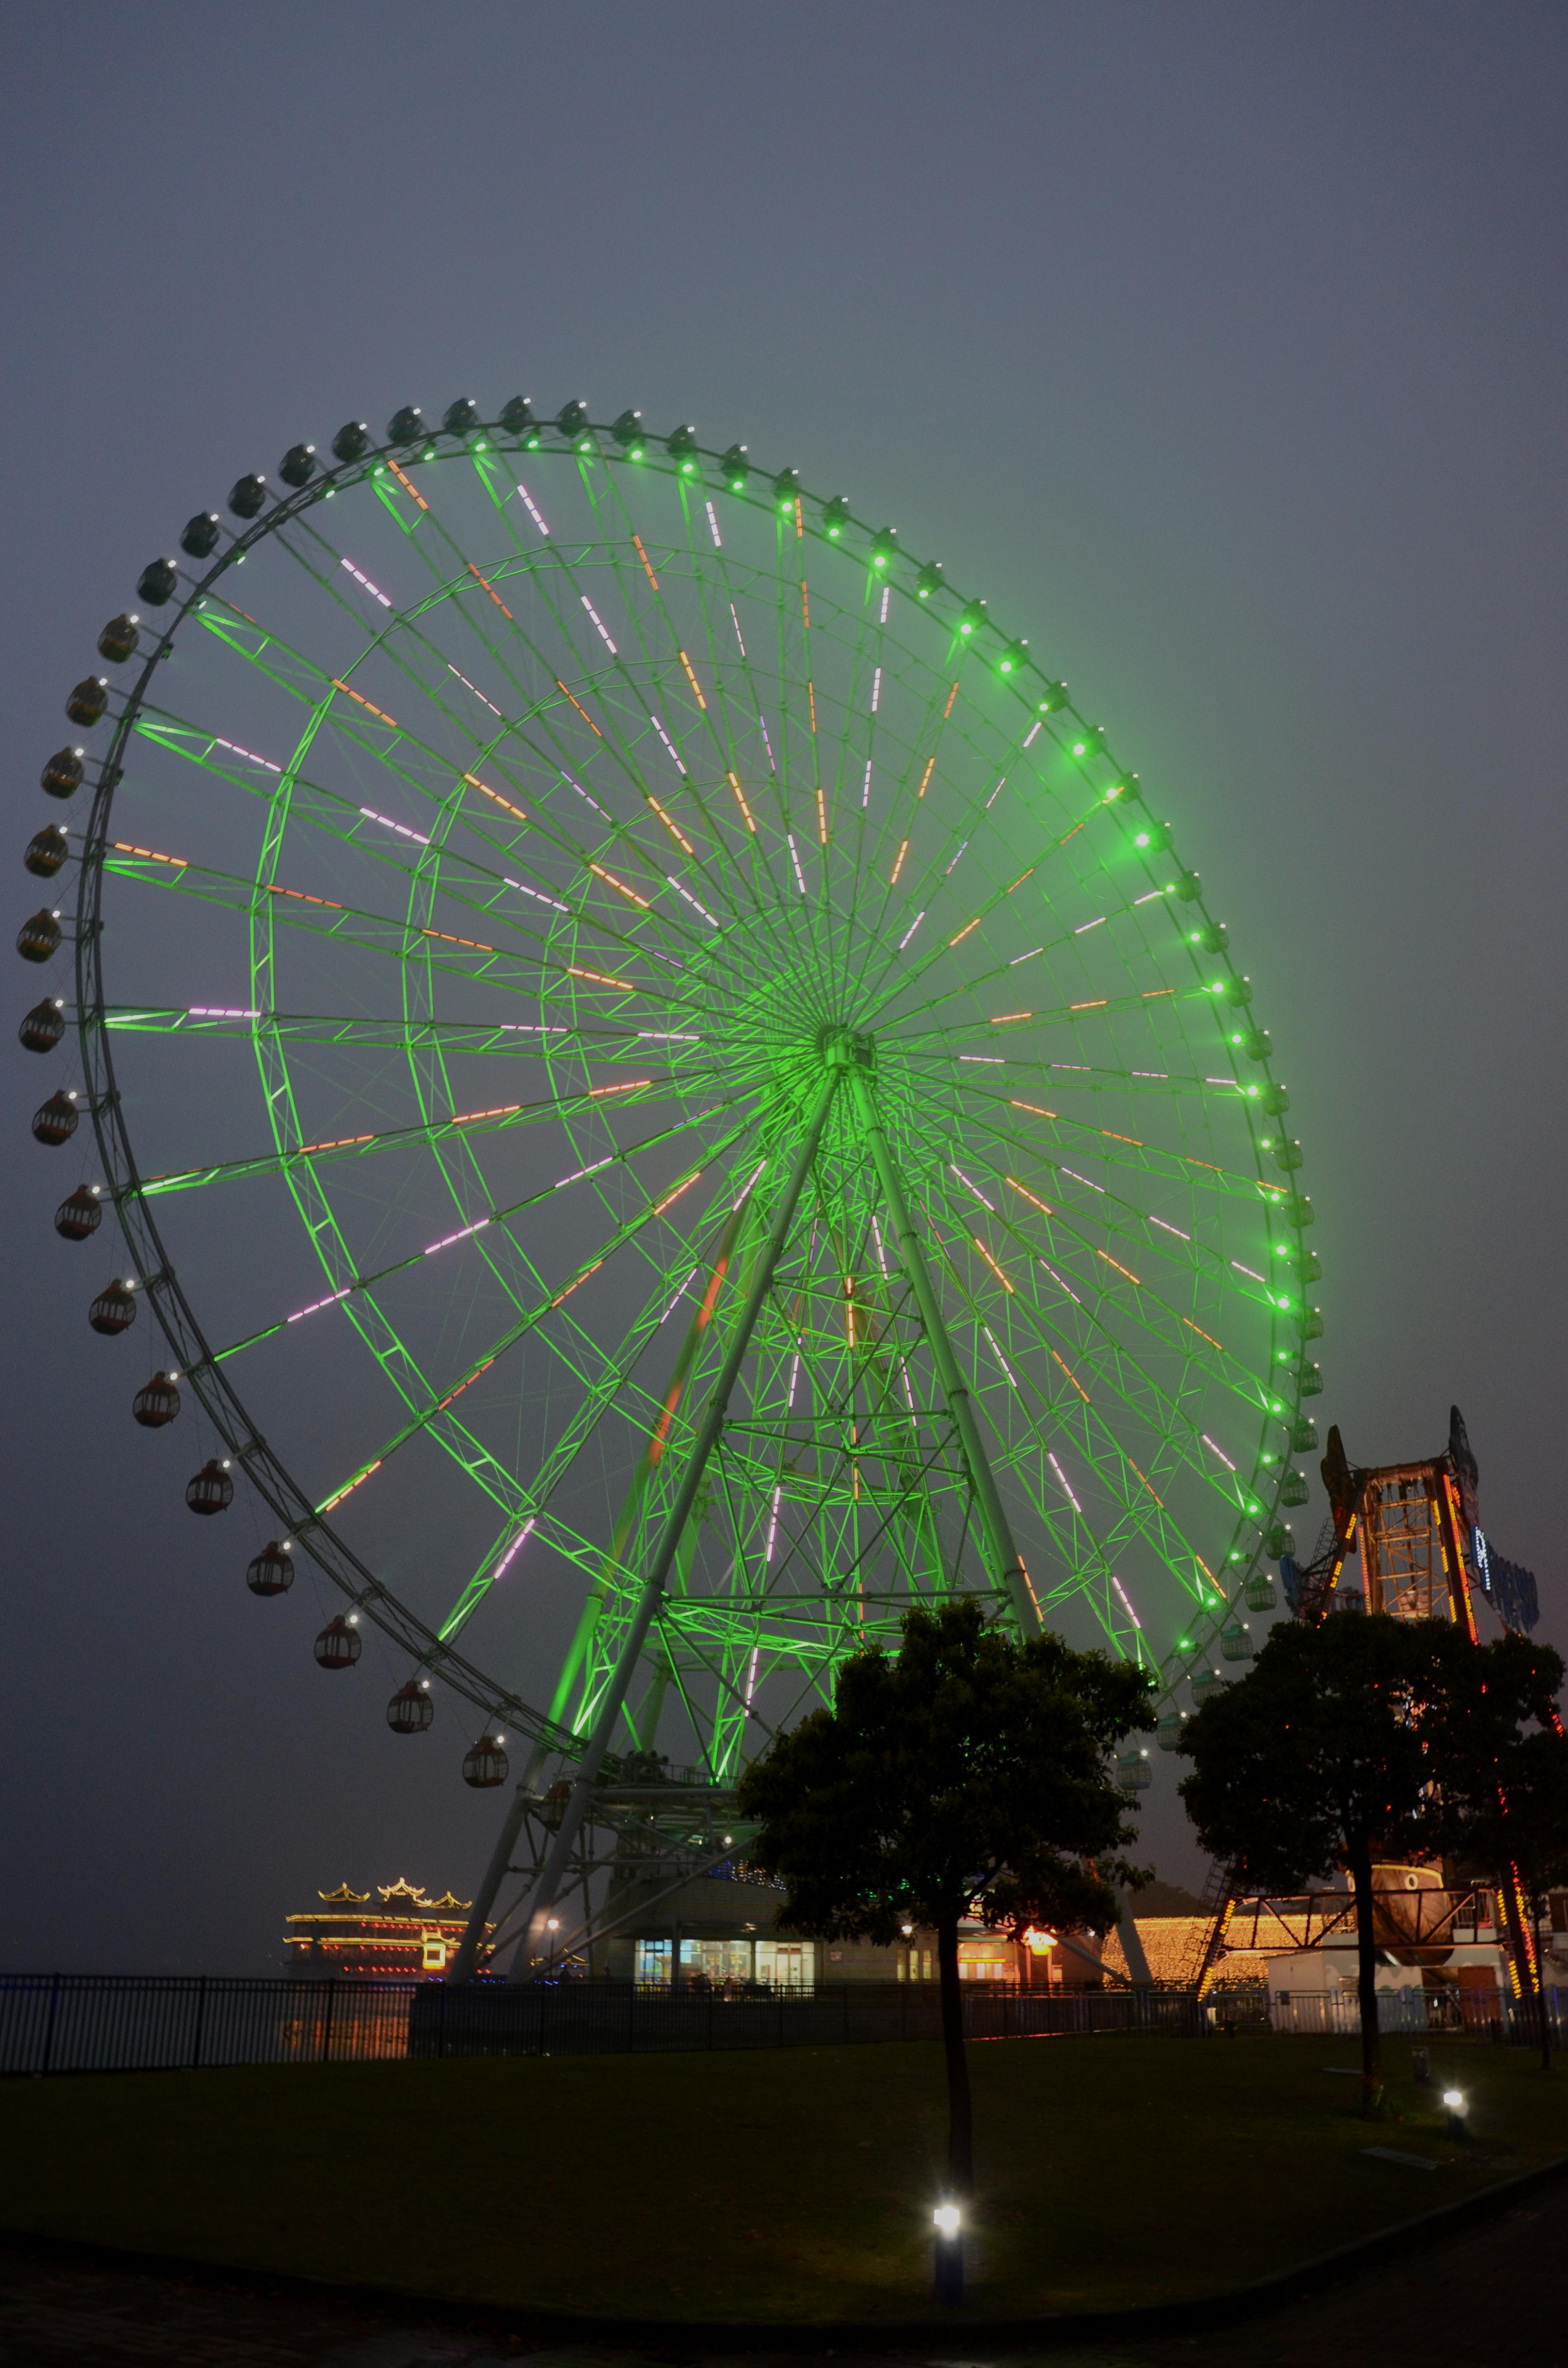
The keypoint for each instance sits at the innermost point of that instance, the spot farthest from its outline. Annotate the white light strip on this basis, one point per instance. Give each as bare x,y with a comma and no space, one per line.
401,828
370,588
533,511
599,622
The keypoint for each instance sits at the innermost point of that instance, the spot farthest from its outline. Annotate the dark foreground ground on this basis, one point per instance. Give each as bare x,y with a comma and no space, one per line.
1492,2293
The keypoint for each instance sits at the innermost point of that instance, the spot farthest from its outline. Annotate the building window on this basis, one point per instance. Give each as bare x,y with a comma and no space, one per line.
654,1963
719,1963
787,1965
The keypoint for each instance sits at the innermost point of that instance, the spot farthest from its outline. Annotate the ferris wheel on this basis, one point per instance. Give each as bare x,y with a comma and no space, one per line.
669,1096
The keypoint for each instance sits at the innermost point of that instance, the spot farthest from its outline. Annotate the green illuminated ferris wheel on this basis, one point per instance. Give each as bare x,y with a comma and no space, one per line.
670,1094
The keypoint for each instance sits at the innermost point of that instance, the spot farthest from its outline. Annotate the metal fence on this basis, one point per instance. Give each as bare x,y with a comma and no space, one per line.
1425,2012
125,2022
104,2023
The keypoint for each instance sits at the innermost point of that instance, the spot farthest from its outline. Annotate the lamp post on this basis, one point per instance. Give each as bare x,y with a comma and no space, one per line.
1457,2107
946,2253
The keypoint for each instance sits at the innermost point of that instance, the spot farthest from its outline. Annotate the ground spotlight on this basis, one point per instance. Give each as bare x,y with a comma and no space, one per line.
946,2252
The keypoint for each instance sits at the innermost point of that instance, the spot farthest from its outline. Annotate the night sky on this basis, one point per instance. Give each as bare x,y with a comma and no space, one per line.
1219,346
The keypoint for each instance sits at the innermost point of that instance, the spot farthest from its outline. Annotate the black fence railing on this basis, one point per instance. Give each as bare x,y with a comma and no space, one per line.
104,2023
135,2022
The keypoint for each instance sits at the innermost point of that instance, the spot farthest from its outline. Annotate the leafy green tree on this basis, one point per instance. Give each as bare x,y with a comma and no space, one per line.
1501,1763
970,1774
1320,1757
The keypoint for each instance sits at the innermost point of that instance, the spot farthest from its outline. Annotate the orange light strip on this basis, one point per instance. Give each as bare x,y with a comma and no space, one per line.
1201,1334
571,1287
926,777
149,855
302,898
948,708
963,933
601,978
352,1486
340,1144
805,605
1043,1206
502,1109
1072,1377
695,685
822,815
619,885
580,710
475,783
473,1377
1153,993
492,592
1097,1005
898,867
1020,880
660,1206
1000,1018
674,828
741,801
378,712
800,521
647,569
627,1085
408,483
1111,1135
446,939
1127,1271
812,696
1148,1484
1005,1280
1033,1108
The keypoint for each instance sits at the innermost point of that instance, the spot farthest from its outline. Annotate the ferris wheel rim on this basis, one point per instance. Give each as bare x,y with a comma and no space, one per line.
195,1362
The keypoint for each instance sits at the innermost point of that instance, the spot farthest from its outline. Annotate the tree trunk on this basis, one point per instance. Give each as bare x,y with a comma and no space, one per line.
1359,1859
961,2116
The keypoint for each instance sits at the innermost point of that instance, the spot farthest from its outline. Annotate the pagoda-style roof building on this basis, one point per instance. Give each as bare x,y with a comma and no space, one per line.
396,1932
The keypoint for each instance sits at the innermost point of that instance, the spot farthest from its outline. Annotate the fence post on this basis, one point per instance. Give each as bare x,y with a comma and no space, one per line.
200,2019
326,2019
49,2026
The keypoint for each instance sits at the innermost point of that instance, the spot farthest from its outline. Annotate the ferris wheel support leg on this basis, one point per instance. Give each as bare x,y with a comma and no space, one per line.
462,1965
614,1697
1006,1562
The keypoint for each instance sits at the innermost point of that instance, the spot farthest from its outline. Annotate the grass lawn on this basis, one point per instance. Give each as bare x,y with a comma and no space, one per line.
794,2186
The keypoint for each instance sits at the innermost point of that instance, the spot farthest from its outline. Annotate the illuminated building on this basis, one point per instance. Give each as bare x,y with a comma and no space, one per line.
406,1936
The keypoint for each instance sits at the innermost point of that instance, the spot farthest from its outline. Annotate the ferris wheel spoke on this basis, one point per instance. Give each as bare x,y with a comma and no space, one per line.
1109,1364
1155,1529
568,622
755,886
423,1416
501,1216
1123,1218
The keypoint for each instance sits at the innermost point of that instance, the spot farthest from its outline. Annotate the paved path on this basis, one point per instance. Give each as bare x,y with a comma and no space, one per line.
1493,2291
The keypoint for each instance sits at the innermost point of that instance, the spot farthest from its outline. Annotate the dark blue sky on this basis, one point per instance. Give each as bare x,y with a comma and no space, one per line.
1219,346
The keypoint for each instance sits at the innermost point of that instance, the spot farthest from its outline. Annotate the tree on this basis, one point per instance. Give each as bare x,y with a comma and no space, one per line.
1318,1757
1502,1763
969,1774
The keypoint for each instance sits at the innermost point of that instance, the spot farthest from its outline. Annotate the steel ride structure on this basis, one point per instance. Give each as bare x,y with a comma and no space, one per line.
671,1097
1425,1555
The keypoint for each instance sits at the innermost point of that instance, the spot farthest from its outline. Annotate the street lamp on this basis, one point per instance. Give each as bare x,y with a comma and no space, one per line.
1455,2105
946,2253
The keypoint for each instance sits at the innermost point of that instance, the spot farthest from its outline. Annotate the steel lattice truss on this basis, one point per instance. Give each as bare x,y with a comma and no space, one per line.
503,829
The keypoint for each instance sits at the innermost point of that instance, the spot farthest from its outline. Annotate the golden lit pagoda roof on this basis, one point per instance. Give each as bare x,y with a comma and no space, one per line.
402,1889
343,1896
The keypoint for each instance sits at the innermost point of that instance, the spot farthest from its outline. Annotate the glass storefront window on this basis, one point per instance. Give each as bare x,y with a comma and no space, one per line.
653,1961
787,1965
719,1961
